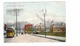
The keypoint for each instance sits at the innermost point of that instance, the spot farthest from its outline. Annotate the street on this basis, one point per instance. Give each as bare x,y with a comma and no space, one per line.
26,38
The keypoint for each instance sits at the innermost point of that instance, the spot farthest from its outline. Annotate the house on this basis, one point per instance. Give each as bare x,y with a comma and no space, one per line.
58,28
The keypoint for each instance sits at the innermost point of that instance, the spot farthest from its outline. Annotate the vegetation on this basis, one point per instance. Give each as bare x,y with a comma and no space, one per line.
29,30
62,34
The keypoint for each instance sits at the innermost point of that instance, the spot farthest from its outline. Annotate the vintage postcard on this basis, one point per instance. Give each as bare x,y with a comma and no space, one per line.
26,22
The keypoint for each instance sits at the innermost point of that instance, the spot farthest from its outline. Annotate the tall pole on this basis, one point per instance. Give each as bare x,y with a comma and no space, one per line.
45,23
16,20
16,13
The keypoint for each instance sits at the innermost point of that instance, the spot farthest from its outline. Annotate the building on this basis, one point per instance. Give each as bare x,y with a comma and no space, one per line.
27,28
58,27
39,27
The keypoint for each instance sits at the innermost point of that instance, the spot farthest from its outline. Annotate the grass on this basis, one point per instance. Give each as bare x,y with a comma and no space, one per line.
62,34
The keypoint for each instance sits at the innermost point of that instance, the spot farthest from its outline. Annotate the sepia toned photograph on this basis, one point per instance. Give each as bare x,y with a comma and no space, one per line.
30,22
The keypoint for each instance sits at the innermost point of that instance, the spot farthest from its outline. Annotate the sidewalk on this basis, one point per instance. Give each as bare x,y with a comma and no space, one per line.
26,38
58,38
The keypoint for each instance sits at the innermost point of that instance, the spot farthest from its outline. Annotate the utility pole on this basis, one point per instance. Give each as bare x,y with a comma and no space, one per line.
16,20
44,13
45,21
16,13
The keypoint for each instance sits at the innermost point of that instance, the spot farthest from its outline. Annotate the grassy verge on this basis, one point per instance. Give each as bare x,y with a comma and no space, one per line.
62,34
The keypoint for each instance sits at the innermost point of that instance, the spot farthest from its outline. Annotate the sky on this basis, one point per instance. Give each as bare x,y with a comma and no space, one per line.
55,10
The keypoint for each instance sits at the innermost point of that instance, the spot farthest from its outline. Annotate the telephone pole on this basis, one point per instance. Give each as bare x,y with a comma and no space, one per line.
45,21
14,12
